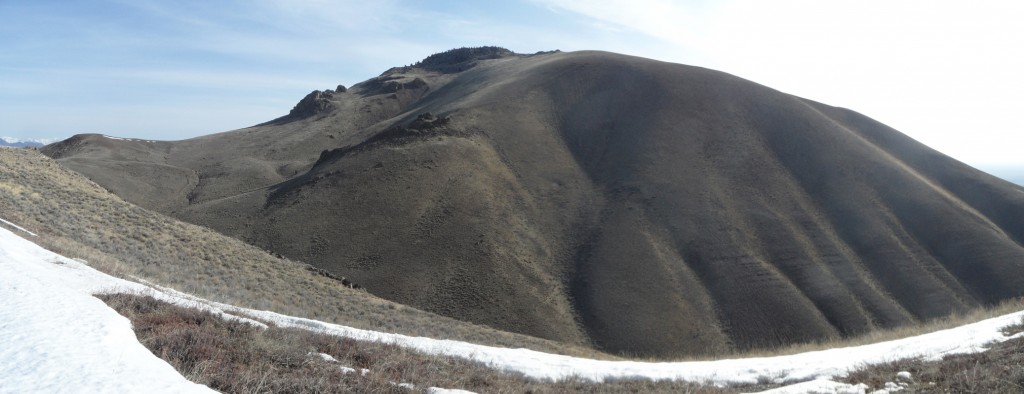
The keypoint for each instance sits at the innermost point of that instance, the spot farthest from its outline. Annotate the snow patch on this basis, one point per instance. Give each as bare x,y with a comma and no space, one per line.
819,386
323,356
362,371
438,390
18,227
903,381
58,338
889,388
791,368
125,139
175,297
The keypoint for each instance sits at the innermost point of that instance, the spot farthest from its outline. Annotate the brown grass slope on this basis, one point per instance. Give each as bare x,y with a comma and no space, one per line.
236,357
79,219
637,206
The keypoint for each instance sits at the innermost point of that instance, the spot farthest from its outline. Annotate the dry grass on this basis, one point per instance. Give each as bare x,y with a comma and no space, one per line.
998,370
236,357
955,320
79,219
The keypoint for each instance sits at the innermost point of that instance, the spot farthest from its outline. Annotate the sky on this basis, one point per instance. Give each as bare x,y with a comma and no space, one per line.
946,73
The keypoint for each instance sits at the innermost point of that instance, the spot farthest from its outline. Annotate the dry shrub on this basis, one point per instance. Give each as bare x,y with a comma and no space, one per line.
1000,369
237,357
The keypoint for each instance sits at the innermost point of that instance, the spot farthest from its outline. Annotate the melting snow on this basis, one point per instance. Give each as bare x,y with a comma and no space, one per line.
438,390
822,386
57,337
362,371
324,356
18,227
785,369
125,139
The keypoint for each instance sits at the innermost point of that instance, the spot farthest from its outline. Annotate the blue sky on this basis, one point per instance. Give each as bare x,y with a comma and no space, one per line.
943,72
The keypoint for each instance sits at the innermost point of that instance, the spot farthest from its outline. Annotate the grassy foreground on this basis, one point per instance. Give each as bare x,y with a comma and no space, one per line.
236,357
998,370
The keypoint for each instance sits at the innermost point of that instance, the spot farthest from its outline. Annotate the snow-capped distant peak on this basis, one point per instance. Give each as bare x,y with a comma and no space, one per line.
18,142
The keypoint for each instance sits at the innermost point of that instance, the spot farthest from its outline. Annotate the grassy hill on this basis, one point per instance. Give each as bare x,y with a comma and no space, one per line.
601,200
77,218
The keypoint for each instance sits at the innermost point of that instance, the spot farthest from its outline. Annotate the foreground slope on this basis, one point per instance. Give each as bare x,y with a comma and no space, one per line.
60,339
65,339
632,205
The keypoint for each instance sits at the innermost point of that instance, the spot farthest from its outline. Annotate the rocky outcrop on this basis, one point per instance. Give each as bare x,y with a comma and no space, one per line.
427,121
461,59
314,103
387,84
425,125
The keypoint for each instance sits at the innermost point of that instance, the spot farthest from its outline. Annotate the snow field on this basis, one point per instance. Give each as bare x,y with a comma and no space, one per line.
57,338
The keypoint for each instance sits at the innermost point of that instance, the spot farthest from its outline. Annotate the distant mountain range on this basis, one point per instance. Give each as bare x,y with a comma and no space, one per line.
635,206
19,143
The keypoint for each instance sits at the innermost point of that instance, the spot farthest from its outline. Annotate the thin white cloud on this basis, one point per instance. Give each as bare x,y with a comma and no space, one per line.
365,37
179,77
668,20
944,72
947,73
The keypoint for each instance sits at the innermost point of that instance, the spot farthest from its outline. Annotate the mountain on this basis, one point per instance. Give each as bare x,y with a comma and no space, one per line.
631,205
18,143
66,213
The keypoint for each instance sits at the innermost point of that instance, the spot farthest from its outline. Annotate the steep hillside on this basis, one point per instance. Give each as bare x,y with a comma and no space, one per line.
79,219
636,206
